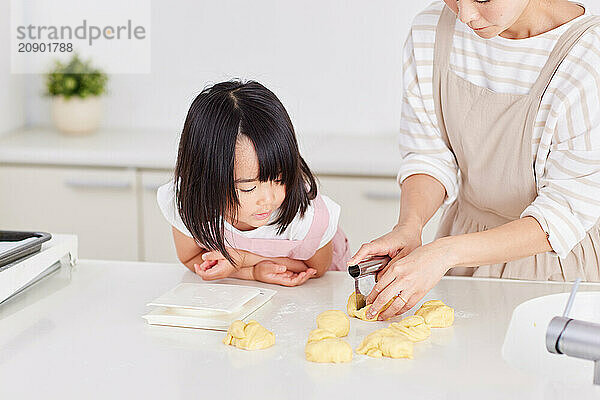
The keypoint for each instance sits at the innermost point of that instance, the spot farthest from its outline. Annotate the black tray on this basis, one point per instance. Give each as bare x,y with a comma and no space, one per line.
23,250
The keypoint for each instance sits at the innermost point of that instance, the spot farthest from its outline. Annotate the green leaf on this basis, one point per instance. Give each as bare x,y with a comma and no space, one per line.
76,78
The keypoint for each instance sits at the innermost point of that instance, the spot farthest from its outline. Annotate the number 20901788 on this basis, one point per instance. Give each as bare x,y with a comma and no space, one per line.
45,47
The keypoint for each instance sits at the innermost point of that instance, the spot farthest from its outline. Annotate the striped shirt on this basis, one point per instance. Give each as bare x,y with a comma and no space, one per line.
566,136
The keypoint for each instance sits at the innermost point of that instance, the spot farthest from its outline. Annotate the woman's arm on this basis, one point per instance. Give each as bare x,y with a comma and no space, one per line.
414,275
421,197
517,239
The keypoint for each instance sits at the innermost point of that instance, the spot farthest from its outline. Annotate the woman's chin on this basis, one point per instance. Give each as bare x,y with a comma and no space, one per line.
485,35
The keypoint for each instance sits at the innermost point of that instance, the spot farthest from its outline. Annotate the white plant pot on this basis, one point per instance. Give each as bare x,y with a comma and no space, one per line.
76,116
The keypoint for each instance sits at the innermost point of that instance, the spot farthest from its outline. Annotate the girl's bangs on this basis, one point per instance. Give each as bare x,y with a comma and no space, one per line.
277,158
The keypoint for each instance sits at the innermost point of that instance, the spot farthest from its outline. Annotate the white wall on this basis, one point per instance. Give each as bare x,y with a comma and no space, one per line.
335,64
12,93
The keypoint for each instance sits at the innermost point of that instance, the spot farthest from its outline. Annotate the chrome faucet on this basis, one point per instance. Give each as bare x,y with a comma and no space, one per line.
575,338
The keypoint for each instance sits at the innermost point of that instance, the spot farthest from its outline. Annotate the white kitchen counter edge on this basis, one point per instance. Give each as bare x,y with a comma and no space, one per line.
375,155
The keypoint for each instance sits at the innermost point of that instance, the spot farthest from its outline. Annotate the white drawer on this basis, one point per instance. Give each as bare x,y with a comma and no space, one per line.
157,239
370,207
98,205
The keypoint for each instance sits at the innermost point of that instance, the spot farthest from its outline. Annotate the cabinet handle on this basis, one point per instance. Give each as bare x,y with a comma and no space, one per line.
382,196
91,184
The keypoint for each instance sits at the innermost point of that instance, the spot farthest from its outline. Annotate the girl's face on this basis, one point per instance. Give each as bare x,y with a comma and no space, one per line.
258,200
488,18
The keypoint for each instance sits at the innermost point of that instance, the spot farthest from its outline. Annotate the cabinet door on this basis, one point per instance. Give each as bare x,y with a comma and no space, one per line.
157,240
98,205
370,207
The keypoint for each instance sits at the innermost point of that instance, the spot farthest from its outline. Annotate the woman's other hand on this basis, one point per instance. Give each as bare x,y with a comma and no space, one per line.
410,277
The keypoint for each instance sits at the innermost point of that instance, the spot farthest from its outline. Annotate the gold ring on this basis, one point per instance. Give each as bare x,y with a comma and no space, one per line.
400,297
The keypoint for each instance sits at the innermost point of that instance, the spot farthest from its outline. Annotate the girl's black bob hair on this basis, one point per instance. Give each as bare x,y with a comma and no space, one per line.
204,181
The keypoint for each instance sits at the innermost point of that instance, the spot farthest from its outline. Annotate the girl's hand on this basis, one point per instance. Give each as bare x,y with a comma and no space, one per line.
269,272
214,266
411,277
401,241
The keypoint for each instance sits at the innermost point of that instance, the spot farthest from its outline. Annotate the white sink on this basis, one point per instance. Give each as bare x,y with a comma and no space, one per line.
525,341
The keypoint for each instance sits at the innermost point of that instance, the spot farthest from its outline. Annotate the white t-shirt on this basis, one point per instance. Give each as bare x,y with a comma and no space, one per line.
296,230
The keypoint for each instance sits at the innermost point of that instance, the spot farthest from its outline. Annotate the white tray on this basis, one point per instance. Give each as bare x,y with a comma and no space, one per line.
203,319
208,297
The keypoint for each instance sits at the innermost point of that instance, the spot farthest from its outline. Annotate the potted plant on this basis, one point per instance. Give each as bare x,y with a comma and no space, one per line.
76,89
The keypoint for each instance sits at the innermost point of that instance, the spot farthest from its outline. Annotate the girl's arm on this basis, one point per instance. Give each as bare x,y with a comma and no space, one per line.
278,270
190,254
320,261
246,259
188,251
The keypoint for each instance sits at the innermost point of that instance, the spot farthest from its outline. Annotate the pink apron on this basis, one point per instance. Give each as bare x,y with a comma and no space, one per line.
297,249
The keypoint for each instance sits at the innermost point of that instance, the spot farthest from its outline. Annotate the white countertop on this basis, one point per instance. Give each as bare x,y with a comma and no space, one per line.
326,155
81,335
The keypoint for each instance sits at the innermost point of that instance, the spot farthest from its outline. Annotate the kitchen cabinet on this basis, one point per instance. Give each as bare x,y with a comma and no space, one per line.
370,207
97,204
102,187
115,214
157,239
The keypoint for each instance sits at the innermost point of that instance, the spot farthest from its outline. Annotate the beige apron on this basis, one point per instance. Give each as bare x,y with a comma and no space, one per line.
490,135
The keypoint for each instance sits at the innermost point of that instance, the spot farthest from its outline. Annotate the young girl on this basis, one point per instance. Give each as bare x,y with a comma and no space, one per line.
243,202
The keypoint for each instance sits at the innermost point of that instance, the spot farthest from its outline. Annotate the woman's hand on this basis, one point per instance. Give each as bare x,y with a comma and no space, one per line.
411,277
270,272
402,240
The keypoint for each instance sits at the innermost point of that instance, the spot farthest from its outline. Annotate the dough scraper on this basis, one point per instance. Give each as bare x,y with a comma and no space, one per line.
369,267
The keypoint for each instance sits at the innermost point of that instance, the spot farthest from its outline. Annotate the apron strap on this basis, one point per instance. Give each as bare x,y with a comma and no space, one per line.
444,35
560,51
309,246
562,48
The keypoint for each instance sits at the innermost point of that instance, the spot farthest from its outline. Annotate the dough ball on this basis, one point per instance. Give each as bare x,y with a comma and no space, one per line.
332,350
319,334
250,336
334,321
386,342
414,328
362,313
436,314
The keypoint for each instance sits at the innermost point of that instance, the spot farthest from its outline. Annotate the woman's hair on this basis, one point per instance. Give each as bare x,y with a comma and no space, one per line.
204,181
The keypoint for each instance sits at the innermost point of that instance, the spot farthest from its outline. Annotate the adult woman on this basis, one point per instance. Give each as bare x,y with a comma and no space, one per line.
501,124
